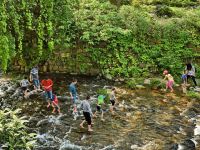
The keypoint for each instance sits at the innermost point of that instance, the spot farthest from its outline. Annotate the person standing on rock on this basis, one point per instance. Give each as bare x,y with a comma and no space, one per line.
24,85
34,77
47,85
170,80
87,112
73,94
112,99
191,72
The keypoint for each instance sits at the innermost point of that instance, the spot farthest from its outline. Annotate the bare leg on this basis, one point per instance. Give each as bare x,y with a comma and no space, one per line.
90,128
48,104
81,125
102,116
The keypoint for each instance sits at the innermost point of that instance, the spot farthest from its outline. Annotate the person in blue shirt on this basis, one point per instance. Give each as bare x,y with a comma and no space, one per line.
73,94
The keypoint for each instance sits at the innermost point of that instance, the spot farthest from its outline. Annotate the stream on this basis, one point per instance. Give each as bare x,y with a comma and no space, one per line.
144,119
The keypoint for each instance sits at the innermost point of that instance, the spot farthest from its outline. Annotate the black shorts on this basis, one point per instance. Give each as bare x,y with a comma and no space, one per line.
24,88
87,117
112,102
99,108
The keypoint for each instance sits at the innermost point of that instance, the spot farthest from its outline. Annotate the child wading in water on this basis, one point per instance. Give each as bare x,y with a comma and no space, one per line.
100,101
170,80
55,104
87,112
112,99
47,86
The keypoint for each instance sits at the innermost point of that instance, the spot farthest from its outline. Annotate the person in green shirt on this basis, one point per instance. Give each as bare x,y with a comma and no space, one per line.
100,102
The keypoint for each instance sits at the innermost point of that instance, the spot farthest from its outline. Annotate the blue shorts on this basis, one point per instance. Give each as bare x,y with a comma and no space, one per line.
49,95
36,82
184,77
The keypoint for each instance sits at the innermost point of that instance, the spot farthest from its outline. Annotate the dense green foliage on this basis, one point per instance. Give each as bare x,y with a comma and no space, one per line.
13,134
123,38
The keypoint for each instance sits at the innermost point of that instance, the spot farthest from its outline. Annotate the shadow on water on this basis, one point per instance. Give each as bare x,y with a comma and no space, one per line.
143,119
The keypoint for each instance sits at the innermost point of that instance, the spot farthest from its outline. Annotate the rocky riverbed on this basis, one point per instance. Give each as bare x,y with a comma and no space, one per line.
144,119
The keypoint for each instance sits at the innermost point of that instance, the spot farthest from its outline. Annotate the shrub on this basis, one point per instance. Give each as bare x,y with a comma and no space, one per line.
192,94
131,83
164,11
157,84
13,134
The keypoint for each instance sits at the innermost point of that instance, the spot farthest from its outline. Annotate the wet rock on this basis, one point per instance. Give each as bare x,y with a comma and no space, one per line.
66,145
128,114
42,122
197,89
187,145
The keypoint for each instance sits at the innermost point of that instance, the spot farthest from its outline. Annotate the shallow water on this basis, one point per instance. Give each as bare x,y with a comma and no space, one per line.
143,120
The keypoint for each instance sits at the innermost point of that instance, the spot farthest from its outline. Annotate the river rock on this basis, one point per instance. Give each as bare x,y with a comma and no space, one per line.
140,86
187,145
42,122
197,89
147,81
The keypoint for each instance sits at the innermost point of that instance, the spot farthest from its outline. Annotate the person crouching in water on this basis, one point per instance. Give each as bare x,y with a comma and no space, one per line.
24,85
55,104
112,100
170,80
87,112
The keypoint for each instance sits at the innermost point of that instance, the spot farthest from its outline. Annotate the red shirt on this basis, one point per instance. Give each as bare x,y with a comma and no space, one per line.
47,84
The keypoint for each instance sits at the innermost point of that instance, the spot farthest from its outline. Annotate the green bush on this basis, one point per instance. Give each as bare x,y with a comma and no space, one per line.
157,84
131,83
192,94
13,134
164,11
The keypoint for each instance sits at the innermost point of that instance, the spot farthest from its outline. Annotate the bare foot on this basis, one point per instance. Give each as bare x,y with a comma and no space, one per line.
90,130
81,126
103,120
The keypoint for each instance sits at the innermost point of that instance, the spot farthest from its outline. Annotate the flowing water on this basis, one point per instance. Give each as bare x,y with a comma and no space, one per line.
143,120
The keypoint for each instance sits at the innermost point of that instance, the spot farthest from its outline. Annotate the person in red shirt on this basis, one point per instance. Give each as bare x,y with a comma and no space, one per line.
47,85
55,104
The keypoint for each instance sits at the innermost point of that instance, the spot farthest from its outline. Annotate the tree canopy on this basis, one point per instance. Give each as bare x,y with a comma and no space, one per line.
124,38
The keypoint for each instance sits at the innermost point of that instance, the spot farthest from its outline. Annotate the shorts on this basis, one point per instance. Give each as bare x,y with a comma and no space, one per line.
112,102
184,77
170,83
87,117
24,88
99,108
36,82
49,95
